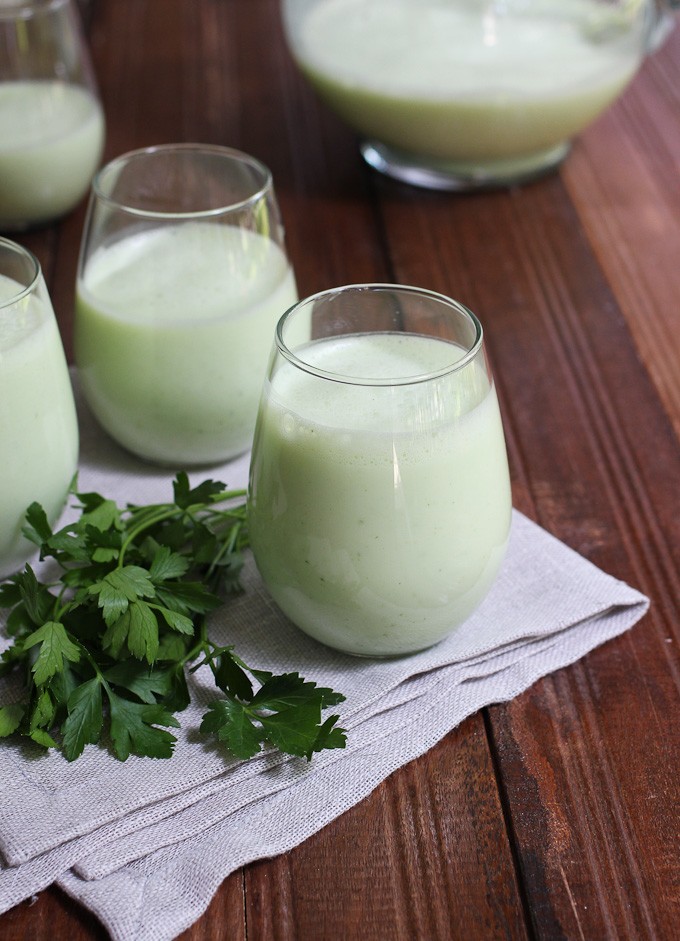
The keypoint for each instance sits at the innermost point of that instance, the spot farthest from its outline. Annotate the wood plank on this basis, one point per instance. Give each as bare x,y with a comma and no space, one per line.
598,742
50,915
623,179
424,856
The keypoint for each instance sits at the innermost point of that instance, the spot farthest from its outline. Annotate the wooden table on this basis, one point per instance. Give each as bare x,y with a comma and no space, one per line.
554,816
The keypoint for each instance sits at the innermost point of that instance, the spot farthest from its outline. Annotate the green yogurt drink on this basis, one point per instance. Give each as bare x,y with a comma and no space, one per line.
38,427
379,516
466,83
51,139
172,334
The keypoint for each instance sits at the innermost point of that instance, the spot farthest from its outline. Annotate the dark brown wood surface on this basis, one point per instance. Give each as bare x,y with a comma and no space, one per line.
554,816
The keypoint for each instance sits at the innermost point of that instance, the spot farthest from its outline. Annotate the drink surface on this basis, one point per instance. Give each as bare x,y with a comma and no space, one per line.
463,80
173,330
38,428
379,515
51,138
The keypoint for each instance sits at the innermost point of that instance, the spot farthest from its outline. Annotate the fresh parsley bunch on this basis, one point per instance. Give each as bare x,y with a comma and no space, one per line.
105,646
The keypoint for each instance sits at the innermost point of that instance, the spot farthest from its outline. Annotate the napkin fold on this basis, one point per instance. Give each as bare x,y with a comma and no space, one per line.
145,843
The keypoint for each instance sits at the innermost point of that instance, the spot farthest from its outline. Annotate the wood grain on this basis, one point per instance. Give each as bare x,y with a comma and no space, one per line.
623,180
554,816
368,880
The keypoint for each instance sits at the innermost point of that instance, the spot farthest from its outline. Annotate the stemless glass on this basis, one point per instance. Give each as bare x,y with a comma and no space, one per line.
379,501
51,121
182,276
38,427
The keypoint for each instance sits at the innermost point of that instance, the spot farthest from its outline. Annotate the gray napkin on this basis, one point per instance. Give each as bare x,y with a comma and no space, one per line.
145,844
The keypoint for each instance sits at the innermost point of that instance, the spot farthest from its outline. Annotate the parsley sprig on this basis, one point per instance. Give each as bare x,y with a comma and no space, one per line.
105,646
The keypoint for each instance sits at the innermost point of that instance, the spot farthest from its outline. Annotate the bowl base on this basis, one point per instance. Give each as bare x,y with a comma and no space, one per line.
460,176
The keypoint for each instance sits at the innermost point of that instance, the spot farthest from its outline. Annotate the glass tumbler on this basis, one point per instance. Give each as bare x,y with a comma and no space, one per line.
38,427
379,500
182,276
51,120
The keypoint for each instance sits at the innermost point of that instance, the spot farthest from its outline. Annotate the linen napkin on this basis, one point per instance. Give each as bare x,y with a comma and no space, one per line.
145,844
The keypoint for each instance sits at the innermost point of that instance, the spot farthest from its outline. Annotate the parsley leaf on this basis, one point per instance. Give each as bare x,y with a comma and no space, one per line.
10,719
229,720
185,497
55,646
85,718
37,527
134,729
285,712
105,649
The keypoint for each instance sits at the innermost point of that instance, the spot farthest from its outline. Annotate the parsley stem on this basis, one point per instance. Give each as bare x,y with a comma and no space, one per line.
227,547
228,495
163,513
59,609
152,515
93,663
201,645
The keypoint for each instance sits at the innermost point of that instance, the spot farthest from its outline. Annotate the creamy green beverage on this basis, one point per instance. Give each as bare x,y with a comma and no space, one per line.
38,428
467,82
51,139
172,334
379,515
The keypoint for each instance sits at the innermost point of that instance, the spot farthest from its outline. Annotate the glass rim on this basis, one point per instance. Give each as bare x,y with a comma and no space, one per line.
29,8
35,278
237,156
382,287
